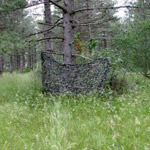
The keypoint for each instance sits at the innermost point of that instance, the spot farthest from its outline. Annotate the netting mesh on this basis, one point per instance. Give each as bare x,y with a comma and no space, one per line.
73,78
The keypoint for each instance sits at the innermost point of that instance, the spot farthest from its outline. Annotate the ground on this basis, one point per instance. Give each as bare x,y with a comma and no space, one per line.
30,120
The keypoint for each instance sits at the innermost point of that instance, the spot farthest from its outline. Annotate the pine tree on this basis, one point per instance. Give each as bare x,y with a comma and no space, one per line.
16,26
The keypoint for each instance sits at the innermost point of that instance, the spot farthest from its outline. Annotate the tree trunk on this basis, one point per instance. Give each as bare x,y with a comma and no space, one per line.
1,64
22,62
29,63
105,40
18,60
88,17
15,60
48,23
11,64
68,36
34,55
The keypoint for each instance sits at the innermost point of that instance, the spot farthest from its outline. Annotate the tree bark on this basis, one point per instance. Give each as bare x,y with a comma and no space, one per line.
34,56
68,36
29,59
22,62
88,17
11,63
18,60
48,23
1,64
15,60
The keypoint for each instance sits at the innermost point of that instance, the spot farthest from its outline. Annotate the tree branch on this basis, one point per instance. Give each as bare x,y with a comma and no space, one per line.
43,39
36,4
76,55
55,24
111,8
57,5
97,23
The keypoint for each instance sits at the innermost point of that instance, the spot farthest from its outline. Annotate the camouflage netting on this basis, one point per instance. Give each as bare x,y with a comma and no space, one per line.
74,78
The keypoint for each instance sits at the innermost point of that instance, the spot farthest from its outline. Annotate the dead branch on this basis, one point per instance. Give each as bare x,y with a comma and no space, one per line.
57,5
97,23
57,38
36,4
111,8
52,27
76,55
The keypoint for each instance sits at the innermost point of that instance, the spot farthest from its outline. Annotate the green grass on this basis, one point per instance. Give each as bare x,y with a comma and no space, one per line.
31,121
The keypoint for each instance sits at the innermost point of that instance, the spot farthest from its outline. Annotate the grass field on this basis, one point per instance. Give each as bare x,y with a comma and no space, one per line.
31,121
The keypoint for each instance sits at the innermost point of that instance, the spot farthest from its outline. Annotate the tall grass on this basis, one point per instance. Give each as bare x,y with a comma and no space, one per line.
30,120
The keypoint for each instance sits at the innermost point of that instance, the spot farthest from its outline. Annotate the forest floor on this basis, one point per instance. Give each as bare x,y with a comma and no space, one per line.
31,121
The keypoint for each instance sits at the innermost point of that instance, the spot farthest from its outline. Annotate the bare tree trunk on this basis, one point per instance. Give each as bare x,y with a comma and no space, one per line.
68,36
15,59
32,58
18,60
34,55
29,63
48,23
105,40
22,62
88,17
11,64
1,64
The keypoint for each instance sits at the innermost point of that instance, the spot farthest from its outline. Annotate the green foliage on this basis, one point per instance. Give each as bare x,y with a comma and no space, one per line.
117,76
92,45
88,48
135,45
115,58
31,120
77,37
9,5
10,41
15,27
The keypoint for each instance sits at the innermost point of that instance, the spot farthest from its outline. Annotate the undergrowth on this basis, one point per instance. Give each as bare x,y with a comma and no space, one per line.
30,120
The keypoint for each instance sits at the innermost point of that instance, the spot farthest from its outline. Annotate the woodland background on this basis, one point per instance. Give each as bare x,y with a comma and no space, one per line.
117,118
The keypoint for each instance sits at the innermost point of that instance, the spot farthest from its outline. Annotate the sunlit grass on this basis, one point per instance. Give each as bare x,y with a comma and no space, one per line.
31,121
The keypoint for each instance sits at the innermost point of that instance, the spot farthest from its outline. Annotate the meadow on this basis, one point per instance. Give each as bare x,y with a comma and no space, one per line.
30,120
